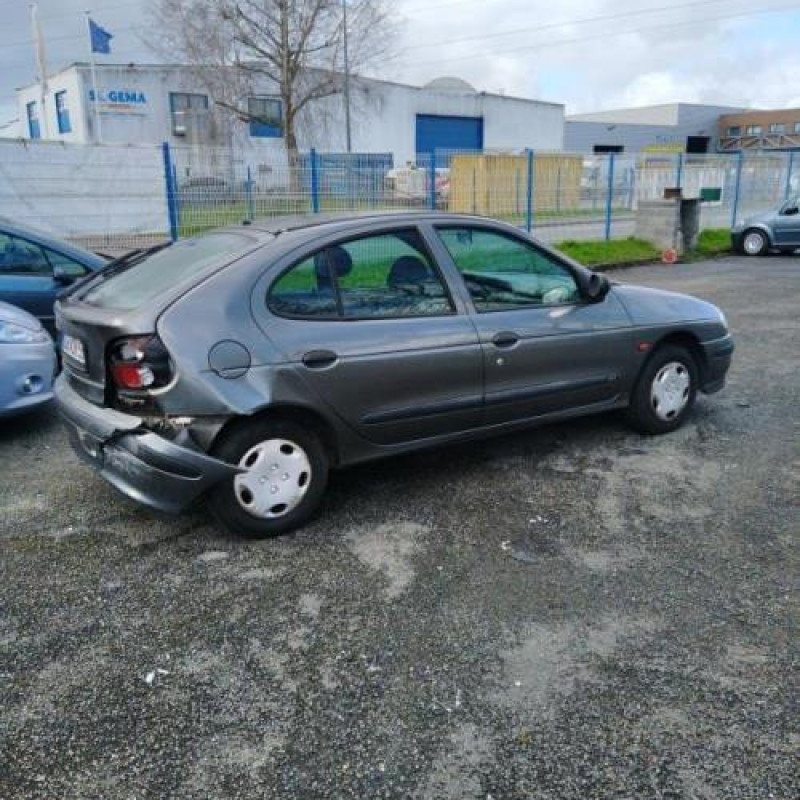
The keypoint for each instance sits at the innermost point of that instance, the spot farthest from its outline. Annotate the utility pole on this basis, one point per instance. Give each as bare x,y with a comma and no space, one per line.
98,123
348,133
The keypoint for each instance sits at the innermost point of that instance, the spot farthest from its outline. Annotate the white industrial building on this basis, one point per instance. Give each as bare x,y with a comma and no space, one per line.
669,127
150,104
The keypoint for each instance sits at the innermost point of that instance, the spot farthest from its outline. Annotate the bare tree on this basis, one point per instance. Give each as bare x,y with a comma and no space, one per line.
296,46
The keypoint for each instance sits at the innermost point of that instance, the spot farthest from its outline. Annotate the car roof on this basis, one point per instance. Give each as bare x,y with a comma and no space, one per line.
84,257
334,222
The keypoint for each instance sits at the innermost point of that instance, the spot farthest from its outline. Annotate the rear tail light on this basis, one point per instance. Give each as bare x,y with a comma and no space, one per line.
139,362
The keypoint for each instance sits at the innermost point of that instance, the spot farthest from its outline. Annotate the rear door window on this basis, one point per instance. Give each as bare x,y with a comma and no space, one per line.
383,275
165,269
304,291
67,265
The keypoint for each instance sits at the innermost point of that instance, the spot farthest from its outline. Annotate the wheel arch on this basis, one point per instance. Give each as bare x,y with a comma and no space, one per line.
761,228
300,415
690,342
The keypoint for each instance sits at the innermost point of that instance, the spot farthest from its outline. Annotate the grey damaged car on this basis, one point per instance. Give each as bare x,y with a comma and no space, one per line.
246,363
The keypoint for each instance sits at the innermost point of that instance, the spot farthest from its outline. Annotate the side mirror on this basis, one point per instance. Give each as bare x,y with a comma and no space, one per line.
790,211
62,276
596,287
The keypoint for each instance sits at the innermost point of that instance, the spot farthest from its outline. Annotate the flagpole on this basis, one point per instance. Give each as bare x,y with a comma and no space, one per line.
94,82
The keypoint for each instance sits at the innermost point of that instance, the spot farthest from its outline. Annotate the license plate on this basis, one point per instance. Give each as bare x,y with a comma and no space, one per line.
74,349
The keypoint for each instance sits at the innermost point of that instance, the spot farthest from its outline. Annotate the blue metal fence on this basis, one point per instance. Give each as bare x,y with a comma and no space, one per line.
556,196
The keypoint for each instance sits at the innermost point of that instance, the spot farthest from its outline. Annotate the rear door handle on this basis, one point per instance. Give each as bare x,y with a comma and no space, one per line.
505,339
319,359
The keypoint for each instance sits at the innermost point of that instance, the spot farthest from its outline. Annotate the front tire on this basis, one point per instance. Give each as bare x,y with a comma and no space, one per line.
284,478
665,391
755,243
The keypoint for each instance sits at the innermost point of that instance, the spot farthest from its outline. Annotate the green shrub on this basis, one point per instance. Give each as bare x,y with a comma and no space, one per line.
713,241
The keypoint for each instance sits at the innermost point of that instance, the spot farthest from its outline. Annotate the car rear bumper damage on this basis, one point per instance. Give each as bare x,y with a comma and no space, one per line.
164,474
718,354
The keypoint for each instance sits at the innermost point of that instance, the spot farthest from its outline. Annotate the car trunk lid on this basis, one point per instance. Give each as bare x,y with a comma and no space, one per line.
89,330
128,299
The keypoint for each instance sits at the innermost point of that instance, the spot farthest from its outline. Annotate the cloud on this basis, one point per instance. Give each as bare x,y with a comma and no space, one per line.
680,54
748,60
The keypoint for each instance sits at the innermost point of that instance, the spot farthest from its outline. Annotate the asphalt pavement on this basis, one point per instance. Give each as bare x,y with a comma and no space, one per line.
573,612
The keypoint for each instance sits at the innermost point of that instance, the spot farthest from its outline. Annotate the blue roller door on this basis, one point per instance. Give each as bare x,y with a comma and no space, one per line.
438,133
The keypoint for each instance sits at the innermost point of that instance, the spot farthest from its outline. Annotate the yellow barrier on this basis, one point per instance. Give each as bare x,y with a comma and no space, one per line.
497,185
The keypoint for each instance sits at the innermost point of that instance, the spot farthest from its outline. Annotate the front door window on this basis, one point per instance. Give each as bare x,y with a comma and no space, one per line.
20,257
503,272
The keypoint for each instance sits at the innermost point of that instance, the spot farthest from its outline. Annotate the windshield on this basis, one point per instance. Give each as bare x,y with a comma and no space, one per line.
147,279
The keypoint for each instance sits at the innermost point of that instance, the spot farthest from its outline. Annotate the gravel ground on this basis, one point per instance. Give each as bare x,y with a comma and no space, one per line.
575,612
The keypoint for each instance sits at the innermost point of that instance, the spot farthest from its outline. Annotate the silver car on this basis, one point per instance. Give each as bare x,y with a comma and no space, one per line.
775,229
27,361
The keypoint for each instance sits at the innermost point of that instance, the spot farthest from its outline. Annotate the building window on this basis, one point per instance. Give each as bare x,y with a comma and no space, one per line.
34,132
188,111
266,117
735,130
62,113
797,127
777,127
753,130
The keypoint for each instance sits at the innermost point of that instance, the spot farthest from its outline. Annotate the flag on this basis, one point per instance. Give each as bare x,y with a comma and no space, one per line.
100,38
38,45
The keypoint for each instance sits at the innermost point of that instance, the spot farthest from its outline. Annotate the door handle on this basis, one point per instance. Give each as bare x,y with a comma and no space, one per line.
319,359
505,339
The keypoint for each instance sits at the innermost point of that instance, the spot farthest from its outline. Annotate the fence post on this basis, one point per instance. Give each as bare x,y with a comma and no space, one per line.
474,192
314,182
529,197
735,211
177,195
432,182
171,192
789,170
558,190
609,194
679,171
251,214
631,187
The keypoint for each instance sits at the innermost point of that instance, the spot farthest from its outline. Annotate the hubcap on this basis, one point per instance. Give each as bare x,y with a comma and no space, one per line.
753,243
669,393
277,478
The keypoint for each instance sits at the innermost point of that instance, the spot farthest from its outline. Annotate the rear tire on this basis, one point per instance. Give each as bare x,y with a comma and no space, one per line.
664,392
755,243
286,472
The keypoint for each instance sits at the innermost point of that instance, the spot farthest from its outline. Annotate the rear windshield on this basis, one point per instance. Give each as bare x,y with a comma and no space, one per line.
164,269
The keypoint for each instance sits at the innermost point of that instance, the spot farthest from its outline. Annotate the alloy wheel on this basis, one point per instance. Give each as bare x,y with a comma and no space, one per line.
753,243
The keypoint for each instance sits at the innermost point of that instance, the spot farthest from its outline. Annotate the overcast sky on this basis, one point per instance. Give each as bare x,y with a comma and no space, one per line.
636,53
